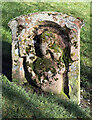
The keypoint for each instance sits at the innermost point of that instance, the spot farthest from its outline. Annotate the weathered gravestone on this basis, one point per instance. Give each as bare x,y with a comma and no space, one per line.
46,52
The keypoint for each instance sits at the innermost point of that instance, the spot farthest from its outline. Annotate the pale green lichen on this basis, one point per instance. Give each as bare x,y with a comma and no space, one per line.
74,83
47,33
63,94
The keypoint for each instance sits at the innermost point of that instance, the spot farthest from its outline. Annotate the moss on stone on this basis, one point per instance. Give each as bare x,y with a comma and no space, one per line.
56,48
28,49
53,70
46,34
66,56
42,64
74,83
63,94
15,81
25,40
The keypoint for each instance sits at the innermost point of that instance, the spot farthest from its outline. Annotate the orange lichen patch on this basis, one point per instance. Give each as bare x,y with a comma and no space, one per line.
27,20
77,22
62,23
75,30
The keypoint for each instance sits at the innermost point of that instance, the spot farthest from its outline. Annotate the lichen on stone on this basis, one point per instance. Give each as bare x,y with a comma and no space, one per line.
46,47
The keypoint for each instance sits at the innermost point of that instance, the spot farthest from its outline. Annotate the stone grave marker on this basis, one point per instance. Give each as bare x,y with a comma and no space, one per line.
46,52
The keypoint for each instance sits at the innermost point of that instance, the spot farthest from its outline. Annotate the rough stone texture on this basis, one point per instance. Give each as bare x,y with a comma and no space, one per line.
46,52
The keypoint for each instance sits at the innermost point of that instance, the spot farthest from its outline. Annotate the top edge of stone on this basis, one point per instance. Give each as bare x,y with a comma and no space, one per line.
49,13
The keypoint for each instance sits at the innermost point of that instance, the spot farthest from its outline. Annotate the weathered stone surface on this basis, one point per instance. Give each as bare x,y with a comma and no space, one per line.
45,51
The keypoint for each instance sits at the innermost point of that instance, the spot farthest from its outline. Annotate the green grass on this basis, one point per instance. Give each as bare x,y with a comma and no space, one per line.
16,102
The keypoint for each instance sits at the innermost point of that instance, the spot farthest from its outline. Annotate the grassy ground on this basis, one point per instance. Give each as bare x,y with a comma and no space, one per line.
11,10
17,103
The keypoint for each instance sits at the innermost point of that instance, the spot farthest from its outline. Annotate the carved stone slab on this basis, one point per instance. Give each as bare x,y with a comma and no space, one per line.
46,52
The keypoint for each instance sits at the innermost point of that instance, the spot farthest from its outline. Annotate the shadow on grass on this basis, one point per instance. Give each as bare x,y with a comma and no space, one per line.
30,103
71,107
6,60
86,77
27,105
